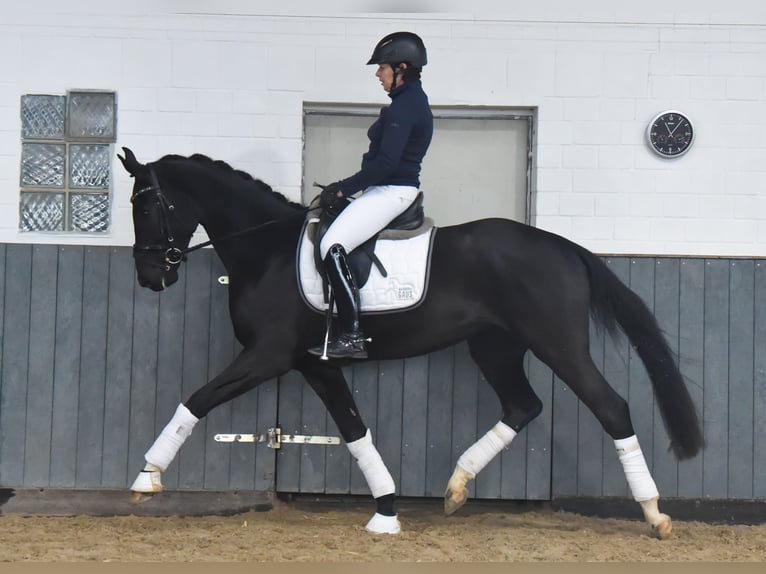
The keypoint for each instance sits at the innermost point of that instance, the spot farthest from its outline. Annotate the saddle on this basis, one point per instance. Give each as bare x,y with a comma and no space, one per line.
410,223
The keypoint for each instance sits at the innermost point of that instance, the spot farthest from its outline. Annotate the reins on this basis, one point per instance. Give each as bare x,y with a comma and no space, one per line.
183,252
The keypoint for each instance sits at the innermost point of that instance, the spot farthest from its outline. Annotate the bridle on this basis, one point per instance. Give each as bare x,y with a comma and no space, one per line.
173,256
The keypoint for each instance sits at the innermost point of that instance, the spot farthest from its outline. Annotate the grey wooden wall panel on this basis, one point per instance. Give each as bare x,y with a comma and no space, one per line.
119,349
42,319
2,305
439,421
66,378
90,408
716,365
489,482
415,390
15,368
390,404
564,447
267,402
740,394
666,309
3,404
540,434
759,381
691,352
291,387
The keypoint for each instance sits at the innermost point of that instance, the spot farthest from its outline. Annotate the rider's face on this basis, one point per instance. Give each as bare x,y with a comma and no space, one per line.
385,74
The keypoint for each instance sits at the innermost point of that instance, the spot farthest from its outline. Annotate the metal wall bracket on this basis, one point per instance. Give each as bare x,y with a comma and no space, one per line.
274,438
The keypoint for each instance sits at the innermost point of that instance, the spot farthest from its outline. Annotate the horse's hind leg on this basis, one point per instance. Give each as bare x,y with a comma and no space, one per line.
330,385
578,371
500,359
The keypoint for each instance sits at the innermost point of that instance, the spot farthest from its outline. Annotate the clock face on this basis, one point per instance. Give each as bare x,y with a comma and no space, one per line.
670,134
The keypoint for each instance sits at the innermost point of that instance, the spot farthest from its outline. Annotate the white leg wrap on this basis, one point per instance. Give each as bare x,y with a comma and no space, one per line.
165,448
634,464
374,470
486,448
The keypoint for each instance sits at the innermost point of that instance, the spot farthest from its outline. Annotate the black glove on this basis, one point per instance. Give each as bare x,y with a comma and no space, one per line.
329,195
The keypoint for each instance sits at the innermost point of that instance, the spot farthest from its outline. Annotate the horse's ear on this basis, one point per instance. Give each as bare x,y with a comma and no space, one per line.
130,163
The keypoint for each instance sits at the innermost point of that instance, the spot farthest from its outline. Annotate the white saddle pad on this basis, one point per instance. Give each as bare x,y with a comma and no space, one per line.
407,262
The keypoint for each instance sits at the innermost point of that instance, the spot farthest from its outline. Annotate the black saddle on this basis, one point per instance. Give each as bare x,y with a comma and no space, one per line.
410,223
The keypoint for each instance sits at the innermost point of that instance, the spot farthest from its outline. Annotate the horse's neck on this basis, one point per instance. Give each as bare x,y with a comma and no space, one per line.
232,208
241,216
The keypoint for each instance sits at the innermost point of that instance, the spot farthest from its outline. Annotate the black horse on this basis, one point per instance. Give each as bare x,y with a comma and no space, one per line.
504,287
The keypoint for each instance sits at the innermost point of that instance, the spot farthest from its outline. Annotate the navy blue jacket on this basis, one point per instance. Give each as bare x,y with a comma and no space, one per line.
399,139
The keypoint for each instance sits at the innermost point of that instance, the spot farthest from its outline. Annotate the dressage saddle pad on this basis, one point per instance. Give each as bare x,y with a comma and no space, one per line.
407,262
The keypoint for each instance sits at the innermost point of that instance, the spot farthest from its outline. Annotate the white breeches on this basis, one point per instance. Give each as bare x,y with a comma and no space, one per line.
375,208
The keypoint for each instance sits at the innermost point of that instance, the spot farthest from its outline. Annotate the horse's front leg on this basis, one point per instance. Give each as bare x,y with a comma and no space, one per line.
251,368
328,382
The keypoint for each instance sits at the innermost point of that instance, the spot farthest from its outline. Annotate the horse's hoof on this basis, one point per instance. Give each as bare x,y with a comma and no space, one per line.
138,497
454,499
663,528
380,524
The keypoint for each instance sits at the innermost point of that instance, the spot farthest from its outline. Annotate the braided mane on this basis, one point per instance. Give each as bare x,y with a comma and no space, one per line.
223,166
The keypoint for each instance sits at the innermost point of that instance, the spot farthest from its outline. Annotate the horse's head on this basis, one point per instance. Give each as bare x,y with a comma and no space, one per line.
162,225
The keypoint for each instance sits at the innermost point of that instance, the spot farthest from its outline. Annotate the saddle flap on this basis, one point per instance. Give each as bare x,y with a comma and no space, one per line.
410,223
404,287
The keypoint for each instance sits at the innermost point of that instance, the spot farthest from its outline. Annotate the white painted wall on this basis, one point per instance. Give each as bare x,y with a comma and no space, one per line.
228,78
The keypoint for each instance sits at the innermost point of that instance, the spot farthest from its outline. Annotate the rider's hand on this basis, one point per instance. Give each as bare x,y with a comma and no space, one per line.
330,194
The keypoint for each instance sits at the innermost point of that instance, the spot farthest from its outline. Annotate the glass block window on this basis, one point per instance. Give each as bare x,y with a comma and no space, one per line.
66,172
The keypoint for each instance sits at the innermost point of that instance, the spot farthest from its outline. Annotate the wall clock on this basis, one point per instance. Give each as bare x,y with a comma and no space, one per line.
670,134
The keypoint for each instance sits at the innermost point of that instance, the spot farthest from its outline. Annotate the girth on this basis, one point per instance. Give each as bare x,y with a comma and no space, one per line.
408,224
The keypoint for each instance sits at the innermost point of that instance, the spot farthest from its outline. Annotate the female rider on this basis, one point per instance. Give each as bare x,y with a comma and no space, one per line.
389,180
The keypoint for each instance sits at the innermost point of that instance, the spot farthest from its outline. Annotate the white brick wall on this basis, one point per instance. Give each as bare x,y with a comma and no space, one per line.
232,85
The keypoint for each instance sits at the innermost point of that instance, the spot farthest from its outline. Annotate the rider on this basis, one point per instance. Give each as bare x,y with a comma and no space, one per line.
389,178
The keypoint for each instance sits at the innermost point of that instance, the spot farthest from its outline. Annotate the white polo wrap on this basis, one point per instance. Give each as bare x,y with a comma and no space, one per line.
165,448
371,464
486,448
641,483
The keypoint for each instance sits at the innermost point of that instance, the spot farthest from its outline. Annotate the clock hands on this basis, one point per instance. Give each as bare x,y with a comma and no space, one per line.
673,131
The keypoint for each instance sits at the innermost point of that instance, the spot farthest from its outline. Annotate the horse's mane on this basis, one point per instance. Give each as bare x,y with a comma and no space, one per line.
223,166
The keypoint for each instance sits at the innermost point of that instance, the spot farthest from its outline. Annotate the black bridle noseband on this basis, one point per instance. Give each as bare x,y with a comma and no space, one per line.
173,256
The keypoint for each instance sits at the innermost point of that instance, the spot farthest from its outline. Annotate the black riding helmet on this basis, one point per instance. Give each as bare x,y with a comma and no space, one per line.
400,47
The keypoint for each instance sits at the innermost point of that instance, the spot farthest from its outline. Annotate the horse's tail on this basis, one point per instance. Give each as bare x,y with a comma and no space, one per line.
612,303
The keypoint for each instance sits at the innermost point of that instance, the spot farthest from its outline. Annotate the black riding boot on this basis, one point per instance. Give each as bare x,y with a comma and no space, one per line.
350,343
